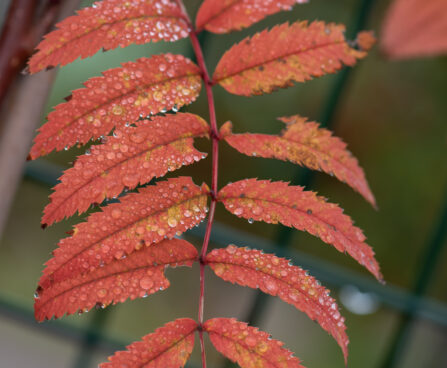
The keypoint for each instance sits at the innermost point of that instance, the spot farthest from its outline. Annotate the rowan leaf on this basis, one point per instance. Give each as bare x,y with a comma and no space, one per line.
120,96
141,219
305,144
109,24
276,202
277,277
222,16
134,155
248,346
274,59
169,346
138,275
415,29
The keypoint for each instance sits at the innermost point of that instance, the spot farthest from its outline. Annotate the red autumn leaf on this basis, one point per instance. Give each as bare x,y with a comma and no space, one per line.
109,24
248,346
275,276
169,346
141,219
414,28
274,59
121,96
222,16
138,275
134,155
305,144
262,200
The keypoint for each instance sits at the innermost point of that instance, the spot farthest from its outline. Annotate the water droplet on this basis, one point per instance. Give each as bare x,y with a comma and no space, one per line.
146,283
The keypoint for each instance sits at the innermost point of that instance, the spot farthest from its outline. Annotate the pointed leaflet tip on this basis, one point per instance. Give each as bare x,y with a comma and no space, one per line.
154,213
107,25
135,276
131,157
147,86
248,346
169,346
277,277
276,202
275,58
306,144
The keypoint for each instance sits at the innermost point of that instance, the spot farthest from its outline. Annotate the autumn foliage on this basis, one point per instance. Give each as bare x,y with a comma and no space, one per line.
121,251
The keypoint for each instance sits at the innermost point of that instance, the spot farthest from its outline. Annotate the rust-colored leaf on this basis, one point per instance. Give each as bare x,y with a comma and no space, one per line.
277,277
274,59
262,200
134,155
222,16
248,346
109,24
305,144
141,219
414,28
138,275
121,96
169,346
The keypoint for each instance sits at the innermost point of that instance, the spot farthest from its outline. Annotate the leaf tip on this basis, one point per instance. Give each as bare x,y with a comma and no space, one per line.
365,40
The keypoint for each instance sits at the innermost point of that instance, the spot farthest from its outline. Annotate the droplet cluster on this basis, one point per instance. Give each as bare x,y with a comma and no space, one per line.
133,156
157,349
120,97
278,277
277,202
107,25
140,274
141,219
248,346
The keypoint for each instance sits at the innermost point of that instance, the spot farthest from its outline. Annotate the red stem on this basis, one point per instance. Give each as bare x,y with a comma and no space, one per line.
214,133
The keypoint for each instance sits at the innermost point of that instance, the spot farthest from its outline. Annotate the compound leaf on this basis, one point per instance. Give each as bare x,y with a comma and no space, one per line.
109,24
134,155
222,16
305,144
120,96
262,200
138,275
274,59
248,346
140,219
277,277
169,346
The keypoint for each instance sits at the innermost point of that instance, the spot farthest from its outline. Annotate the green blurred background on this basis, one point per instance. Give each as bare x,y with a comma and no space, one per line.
393,117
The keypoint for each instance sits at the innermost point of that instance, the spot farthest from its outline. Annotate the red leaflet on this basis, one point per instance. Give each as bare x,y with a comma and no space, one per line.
138,275
169,346
262,200
248,346
415,29
305,144
109,24
222,16
156,212
132,156
274,59
275,276
121,96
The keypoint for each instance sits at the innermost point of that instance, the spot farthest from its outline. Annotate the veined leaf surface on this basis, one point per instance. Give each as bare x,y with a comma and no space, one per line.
134,155
138,275
140,219
248,346
262,200
119,97
275,276
169,346
109,24
222,16
274,59
305,144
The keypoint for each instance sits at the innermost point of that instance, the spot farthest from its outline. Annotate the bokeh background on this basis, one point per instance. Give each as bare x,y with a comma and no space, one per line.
392,114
